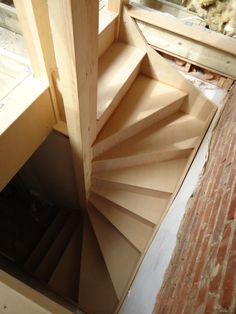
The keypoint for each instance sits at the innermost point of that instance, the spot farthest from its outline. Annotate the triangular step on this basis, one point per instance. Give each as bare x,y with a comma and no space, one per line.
44,244
96,292
172,138
50,260
147,102
117,69
120,255
162,176
65,278
148,207
136,231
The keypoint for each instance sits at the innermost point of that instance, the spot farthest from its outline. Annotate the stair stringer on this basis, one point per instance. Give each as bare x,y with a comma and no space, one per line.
158,68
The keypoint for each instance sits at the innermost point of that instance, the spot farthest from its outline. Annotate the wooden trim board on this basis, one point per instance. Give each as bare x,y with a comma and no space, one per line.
194,43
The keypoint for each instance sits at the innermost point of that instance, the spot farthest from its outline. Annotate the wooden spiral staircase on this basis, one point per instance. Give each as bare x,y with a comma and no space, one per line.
148,126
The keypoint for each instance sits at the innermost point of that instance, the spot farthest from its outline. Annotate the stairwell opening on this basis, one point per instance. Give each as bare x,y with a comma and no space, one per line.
41,224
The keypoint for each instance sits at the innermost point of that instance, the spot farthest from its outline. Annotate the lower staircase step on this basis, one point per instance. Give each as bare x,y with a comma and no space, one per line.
136,231
46,241
149,208
65,278
162,176
120,255
50,260
96,291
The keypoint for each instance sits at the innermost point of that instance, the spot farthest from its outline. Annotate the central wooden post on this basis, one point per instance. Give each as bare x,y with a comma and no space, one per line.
74,25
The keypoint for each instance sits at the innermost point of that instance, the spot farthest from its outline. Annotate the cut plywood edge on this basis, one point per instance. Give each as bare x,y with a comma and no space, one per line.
136,231
149,208
119,254
162,176
138,110
124,61
96,292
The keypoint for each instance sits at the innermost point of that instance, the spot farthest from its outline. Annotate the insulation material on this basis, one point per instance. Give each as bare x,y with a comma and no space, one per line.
219,15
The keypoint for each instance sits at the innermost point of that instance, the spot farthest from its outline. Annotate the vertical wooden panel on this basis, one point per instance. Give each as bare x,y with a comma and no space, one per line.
74,26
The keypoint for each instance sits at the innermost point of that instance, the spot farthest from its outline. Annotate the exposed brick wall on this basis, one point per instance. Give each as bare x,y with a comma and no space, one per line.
201,277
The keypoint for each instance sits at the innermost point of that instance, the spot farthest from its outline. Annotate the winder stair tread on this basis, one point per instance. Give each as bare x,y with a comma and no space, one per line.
148,207
115,67
96,291
136,231
120,255
46,241
65,278
172,138
145,103
158,176
50,260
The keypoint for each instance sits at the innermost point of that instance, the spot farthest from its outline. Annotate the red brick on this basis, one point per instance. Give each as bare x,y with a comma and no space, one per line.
232,209
210,304
230,278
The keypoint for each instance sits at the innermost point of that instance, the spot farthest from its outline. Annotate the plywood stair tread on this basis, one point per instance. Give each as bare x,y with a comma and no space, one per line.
159,176
146,102
119,254
148,207
96,293
177,131
44,244
115,67
50,260
65,278
136,231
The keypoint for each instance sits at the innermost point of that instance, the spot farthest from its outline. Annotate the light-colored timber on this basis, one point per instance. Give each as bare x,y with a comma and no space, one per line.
136,231
65,278
119,254
50,260
96,293
124,60
147,207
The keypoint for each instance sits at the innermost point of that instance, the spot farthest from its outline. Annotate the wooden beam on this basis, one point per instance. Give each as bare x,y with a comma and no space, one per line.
174,25
34,21
116,6
8,18
18,298
73,23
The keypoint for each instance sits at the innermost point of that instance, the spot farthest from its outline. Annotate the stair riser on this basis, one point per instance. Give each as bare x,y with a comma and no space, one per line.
106,38
127,187
116,100
135,231
118,137
119,163
120,207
